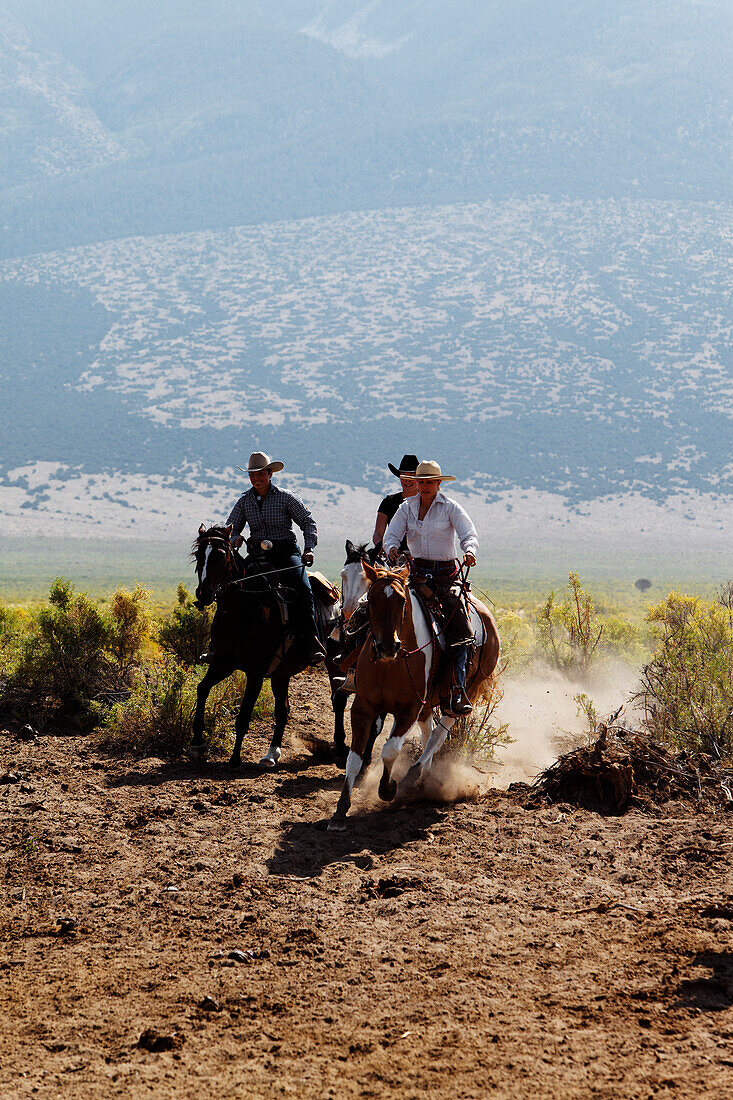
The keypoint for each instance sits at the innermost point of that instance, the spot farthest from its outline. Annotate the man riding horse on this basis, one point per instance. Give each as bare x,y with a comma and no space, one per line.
270,512
431,522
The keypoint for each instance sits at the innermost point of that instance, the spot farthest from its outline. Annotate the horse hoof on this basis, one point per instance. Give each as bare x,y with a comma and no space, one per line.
270,759
197,753
387,790
336,825
409,783
235,761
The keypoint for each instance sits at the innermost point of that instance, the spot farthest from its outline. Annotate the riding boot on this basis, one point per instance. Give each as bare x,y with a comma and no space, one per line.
309,639
314,650
460,704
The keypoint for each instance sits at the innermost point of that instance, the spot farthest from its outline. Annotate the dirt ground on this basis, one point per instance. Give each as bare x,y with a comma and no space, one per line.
468,950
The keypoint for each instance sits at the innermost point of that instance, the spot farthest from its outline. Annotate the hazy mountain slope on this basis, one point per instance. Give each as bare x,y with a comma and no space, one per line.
275,111
48,126
580,348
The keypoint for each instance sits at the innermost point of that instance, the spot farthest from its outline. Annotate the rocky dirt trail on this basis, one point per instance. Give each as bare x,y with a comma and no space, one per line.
468,950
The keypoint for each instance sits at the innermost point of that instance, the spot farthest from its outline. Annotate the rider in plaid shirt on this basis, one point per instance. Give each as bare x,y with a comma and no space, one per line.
272,516
270,512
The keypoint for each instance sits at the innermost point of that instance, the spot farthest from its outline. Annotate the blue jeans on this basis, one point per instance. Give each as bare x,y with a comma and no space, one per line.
299,581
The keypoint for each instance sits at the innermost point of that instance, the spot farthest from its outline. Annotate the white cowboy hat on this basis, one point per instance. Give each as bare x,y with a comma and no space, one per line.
429,470
258,460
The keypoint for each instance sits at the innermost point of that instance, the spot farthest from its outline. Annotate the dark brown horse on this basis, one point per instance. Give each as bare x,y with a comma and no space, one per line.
250,632
398,673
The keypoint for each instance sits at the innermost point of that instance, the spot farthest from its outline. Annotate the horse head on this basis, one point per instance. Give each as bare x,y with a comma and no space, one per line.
353,581
214,560
387,600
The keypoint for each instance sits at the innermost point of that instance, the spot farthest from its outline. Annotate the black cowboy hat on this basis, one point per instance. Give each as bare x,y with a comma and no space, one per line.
408,465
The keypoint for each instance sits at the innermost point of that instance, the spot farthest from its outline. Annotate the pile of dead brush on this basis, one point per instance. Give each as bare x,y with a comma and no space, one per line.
627,768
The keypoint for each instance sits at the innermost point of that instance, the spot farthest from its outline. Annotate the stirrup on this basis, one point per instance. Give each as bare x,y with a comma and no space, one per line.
314,652
460,704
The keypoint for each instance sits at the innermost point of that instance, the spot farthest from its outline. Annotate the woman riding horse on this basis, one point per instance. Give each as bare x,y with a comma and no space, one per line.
398,671
431,522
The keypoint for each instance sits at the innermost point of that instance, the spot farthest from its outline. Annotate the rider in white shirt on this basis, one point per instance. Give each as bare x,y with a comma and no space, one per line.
432,522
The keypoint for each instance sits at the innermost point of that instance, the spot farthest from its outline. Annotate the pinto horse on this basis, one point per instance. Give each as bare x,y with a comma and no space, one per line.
248,633
397,673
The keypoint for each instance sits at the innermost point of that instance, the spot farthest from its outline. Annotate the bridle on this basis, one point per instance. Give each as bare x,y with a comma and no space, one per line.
377,647
405,654
218,544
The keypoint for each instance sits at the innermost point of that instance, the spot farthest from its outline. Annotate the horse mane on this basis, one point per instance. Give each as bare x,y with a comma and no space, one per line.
358,552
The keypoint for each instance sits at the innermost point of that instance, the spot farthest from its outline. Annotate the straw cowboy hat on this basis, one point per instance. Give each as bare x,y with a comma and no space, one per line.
408,465
430,470
258,460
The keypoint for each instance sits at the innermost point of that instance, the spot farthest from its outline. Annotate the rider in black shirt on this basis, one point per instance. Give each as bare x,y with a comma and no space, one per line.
390,504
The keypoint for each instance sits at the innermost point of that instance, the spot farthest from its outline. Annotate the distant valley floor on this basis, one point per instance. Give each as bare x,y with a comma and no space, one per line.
104,530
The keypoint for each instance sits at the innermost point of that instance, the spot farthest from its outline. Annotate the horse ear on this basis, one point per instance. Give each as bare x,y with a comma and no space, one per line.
202,529
228,530
350,548
369,572
403,573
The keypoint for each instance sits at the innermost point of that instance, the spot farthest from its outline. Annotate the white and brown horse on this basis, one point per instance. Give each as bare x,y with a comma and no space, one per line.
398,673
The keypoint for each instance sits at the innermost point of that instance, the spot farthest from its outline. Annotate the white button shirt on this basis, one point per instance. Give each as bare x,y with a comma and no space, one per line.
435,536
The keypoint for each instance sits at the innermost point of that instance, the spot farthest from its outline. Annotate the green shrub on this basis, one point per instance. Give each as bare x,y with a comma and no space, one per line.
130,624
587,707
157,716
687,688
476,736
74,658
569,632
185,632
517,639
64,655
624,640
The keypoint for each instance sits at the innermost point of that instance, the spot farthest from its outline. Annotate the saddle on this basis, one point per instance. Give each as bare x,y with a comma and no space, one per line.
436,616
322,587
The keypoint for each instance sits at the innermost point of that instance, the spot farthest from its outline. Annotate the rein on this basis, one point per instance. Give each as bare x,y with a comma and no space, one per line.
261,576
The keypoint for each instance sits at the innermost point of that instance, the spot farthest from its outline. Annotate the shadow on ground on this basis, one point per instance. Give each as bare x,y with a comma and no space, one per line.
714,991
306,848
187,771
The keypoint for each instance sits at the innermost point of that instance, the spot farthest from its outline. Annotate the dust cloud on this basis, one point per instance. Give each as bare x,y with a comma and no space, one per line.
540,709
450,779
543,718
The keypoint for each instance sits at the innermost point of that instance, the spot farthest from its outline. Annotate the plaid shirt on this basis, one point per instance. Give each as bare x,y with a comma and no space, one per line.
272,516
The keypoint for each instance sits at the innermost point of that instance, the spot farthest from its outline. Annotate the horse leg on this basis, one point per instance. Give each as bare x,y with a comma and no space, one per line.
361,720
435,740
214,675
390,752
280,686
339,731
374,732
241,726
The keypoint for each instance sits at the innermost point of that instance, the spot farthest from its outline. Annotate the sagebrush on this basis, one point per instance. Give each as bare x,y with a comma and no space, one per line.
686,692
